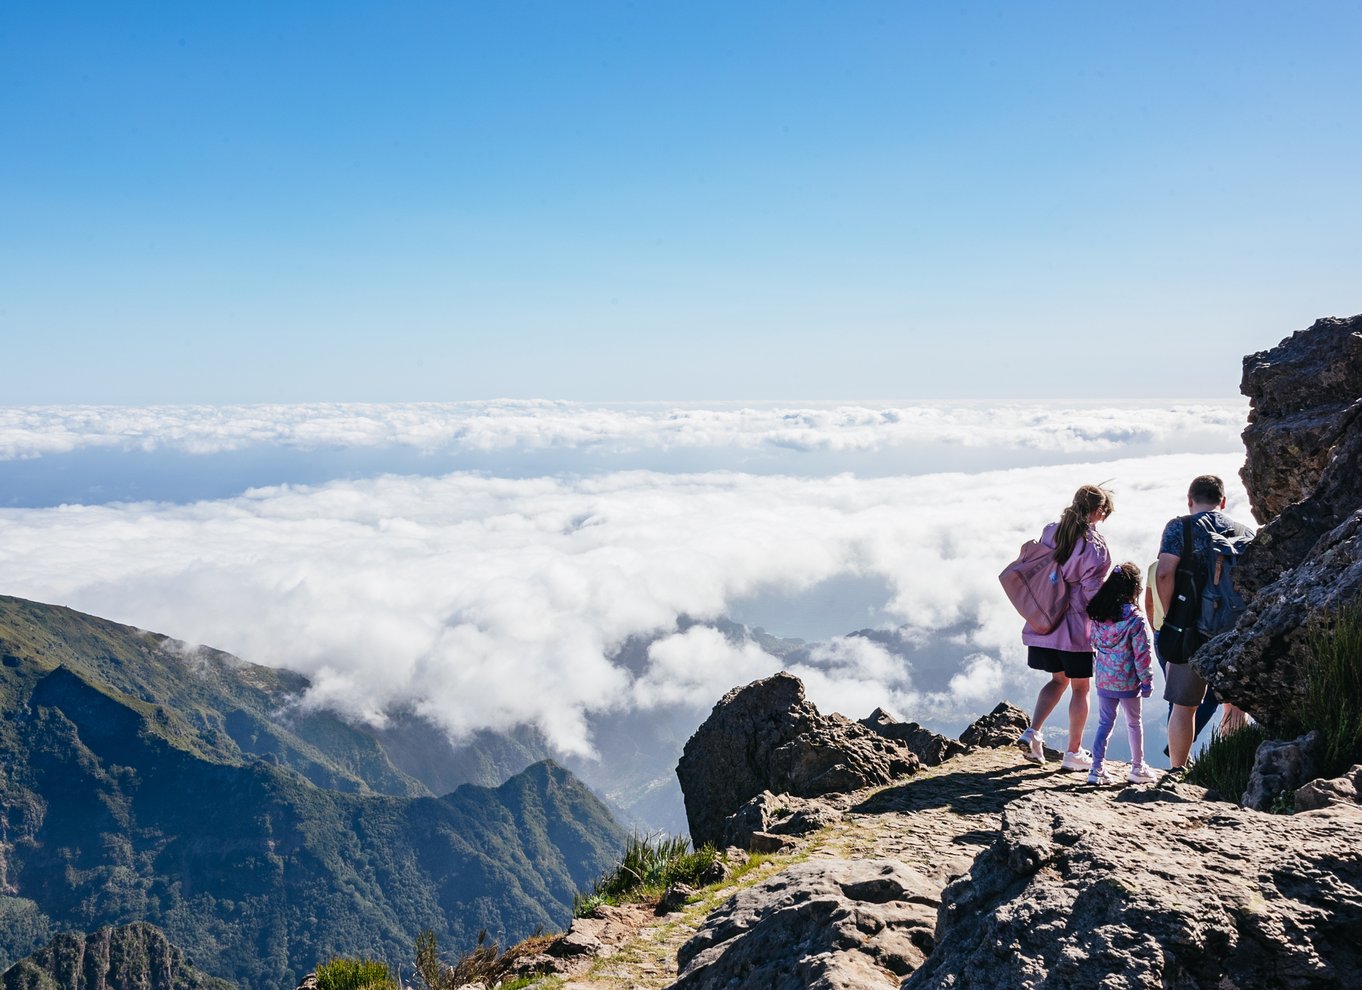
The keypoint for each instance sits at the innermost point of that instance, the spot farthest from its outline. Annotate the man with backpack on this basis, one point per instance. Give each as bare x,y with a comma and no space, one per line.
1196,559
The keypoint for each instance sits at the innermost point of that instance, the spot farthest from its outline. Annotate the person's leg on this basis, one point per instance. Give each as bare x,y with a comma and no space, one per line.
1181,734
1234,719
1106,721
1048,698
1135,730
1078,711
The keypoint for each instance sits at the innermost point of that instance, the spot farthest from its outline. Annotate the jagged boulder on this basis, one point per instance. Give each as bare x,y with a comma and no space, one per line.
1304,476
126,957
830,924
1339,790
998,729
777,814
1154,890
1280,767
767,736
1298,392
931,748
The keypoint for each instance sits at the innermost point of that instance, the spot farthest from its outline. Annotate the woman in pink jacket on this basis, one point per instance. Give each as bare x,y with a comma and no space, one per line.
1065,652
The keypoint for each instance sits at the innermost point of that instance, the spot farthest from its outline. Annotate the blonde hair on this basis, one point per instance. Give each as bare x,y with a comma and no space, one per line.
1073,521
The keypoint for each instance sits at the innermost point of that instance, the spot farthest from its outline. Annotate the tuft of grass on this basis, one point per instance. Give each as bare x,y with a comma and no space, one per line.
651,864
355,974
1333,688
1225,763
485,964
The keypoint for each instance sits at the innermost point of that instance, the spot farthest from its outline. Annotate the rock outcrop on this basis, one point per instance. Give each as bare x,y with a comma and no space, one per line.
998,729
830,923
1280,767
1154,890
768,737
931,748
1304,475
128,957
1338,790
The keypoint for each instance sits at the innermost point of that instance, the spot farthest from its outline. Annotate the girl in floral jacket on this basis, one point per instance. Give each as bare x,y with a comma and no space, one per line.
1120,644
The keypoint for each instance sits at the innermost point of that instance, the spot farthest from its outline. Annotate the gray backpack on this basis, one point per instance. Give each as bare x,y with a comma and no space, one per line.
1221,605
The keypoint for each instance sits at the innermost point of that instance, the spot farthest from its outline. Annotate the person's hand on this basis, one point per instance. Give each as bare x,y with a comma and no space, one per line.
1146,689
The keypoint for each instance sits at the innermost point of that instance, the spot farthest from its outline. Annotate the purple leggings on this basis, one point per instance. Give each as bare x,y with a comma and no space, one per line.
1106,721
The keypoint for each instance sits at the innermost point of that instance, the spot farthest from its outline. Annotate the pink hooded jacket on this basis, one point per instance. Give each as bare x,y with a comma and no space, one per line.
1085,570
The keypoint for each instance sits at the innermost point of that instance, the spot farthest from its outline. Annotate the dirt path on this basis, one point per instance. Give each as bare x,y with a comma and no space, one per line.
936,822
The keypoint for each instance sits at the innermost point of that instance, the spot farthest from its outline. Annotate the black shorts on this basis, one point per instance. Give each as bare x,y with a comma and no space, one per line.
1074,665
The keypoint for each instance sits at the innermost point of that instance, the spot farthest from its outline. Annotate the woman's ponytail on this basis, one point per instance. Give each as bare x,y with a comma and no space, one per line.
1073,521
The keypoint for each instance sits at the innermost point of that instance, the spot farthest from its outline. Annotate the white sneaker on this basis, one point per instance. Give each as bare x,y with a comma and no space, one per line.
1141,774
1082,760
1031,746
1100,778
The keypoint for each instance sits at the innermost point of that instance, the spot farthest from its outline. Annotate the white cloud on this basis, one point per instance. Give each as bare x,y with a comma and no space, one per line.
483,427
489,602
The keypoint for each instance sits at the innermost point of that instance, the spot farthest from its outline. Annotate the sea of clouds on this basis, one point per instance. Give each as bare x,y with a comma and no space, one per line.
490,599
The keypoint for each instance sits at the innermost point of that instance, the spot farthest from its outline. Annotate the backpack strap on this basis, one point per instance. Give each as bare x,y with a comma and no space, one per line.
1187,550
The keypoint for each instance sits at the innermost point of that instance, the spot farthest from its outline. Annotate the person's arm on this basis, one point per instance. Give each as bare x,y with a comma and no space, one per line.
1168,568
1139,645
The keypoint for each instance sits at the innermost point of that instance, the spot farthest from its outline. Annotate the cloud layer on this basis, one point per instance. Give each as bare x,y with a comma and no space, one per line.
489,602
1090,429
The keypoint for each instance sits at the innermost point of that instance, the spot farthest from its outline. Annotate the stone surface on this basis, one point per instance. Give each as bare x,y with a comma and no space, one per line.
1280,767
1154,890
767,736
999,728
931,748
1321,793
1297,391
1304,476
778,814
831,923
675,898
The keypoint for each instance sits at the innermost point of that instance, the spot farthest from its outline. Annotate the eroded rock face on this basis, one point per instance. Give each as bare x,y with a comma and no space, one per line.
1298,391
1304,476
776,814
931,748
1280,767
768,737
830,924
1339,790
126,957
998,729
1160,888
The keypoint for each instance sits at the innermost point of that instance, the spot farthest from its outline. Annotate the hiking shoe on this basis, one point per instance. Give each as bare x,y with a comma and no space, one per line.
1030,745
1174,776
1141,774
1081,760
1099,778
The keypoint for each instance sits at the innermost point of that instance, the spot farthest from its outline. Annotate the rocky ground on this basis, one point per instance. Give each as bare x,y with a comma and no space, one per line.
933,824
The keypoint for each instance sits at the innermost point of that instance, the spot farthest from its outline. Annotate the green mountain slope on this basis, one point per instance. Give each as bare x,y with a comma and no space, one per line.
127,795
131,956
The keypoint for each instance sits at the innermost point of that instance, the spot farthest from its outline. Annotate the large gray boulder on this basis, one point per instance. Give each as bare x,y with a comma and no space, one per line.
1280,767
1154,890
767,736
828,924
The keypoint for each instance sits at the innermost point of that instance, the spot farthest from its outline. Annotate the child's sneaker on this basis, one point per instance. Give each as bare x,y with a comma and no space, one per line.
1030,745
1081,760
1098,777
1141,774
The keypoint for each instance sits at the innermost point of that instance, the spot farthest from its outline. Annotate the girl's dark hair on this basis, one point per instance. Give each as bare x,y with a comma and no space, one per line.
1073,522
1122,587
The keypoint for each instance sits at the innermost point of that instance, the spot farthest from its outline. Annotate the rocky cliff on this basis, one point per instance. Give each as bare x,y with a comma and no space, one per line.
130,956
1303,471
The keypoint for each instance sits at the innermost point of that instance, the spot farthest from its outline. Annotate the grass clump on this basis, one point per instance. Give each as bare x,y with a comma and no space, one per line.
483,965
355,974
1226,761
651,863
1333,689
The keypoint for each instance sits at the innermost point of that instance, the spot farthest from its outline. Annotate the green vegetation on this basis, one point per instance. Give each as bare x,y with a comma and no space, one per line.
355,974
484,964
1225,763
1333,689
651,864
139,780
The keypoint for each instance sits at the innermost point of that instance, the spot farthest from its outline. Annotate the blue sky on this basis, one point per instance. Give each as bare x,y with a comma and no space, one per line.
610,201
